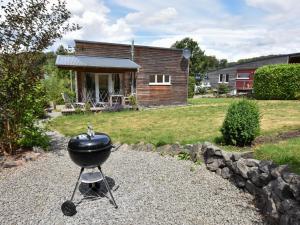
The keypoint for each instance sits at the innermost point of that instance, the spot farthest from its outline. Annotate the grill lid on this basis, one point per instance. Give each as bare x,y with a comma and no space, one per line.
88,142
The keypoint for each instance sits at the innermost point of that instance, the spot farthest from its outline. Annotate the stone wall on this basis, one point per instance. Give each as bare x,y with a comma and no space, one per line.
276,190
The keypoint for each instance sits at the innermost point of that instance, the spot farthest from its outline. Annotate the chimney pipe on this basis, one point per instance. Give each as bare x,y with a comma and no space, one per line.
132,50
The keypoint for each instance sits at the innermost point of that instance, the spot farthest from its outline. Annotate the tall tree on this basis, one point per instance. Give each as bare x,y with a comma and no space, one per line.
27,27
197,54
199,63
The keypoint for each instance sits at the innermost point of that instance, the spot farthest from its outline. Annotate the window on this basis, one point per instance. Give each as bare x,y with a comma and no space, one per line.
220,78
160,79
227,78
243,75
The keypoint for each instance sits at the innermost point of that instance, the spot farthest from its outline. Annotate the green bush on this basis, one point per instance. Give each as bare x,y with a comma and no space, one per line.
201,90
223,89
33,137
241,124
280,82
191,87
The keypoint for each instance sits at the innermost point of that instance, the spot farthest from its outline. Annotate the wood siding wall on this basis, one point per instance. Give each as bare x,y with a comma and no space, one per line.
152,61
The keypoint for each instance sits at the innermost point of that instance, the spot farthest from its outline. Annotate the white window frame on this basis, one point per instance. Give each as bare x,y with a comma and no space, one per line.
226,75
221,81
242,78
161,83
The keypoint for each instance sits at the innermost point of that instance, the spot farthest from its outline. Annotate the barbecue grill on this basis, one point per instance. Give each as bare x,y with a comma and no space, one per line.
88,150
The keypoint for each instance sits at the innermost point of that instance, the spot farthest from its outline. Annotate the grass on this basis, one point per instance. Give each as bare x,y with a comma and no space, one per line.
199,121
284,152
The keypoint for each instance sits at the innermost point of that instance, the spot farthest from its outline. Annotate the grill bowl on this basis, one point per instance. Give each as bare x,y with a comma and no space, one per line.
90,151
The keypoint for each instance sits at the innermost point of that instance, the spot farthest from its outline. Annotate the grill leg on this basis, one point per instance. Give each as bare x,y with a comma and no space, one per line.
77,184
107,187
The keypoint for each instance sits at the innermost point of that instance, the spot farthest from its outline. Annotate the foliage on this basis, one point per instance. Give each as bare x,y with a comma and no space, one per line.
199,62
191,87
297,95
33,136
132,100
27,28
201,90
279,82
241,124
223,89
184,156
283,152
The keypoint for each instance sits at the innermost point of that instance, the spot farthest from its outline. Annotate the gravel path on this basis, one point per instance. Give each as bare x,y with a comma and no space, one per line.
149,189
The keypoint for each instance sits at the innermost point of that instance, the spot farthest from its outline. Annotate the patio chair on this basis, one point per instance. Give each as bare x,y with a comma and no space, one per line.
70,106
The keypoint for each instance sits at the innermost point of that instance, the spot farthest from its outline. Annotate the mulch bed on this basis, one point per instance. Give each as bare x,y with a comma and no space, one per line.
276,138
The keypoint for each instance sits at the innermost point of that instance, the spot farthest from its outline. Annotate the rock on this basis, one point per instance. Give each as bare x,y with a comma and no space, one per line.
281,188
196,153
251,162
226,173
247,155
238,180
172,150
294,183
279,170
235,156
284,220
213,166
266,166
218,152
241,167
270,209
32,156
251,188
227,156
10,164
254,176
287,205
218,171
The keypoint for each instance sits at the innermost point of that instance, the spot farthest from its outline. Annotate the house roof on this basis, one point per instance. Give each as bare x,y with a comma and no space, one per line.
259,59
127,45
72,61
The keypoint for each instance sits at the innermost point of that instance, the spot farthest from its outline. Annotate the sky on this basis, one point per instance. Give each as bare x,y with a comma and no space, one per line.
230,29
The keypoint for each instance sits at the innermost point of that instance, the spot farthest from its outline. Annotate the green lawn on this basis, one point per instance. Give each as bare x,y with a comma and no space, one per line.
199,121
284,152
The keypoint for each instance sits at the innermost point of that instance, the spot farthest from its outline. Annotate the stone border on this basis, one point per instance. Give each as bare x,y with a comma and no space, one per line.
276,190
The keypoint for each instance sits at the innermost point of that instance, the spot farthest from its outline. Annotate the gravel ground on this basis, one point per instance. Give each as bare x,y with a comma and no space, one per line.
149,189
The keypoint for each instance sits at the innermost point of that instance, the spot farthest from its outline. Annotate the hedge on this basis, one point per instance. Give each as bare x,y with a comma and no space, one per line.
191,86
280,82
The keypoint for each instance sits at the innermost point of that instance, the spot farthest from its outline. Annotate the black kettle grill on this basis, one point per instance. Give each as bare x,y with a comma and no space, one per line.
88,150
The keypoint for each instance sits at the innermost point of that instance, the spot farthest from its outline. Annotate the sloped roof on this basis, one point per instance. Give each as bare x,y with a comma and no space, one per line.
94,62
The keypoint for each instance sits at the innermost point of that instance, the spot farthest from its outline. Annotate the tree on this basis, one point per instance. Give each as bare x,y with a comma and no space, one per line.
197,54
199,62
27,27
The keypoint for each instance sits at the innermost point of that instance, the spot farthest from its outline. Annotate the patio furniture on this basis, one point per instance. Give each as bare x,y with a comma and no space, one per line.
70,104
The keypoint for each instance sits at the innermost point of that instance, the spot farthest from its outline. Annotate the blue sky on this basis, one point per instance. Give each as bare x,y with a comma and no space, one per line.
230,29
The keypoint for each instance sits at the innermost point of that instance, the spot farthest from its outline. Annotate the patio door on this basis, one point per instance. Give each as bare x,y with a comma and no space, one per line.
90,86
103,87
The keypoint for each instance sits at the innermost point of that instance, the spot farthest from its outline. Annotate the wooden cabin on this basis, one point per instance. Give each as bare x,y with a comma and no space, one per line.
154,75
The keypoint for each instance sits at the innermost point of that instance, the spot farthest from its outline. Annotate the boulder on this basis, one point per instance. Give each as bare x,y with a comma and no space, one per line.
247,155
251,162
215,164
196,153
293,181
10,164
226,173
238,180
235,156
218,171
280,188
279,171
172,150
251,188
254,176
266,166
242,168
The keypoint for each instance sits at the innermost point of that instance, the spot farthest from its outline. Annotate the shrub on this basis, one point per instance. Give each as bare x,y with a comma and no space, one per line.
191,87
201,90
241,124
223,89
33,137
277,82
